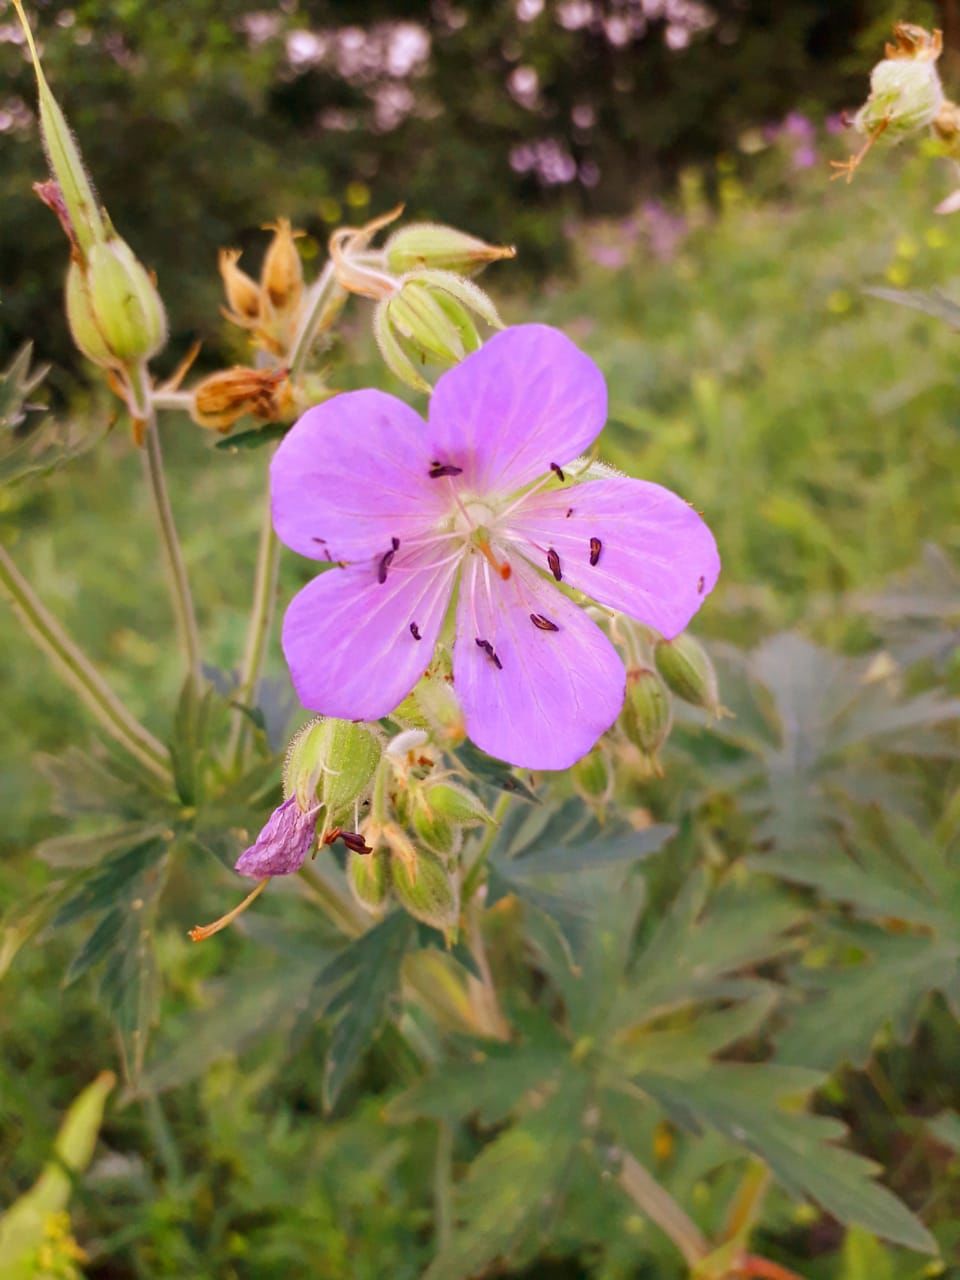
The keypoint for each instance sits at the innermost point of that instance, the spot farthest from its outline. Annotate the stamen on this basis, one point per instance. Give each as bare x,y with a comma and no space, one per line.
415,631
440,469
557,471
486,551
701,583
596,546
352,839
386,560
553,560
569,512
491,653
201,932
542,623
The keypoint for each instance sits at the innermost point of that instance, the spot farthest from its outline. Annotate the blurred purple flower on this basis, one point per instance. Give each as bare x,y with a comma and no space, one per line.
479,494
798,126
804,157
282,845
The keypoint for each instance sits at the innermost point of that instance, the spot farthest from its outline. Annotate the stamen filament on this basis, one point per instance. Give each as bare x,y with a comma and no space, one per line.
200,932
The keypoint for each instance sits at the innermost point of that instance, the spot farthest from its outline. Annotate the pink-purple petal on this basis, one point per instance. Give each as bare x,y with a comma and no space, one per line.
282,845
536,697
527,398
350,640
655,558
352,473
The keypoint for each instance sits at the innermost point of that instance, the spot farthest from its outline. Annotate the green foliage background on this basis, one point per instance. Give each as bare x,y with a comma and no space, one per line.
815,425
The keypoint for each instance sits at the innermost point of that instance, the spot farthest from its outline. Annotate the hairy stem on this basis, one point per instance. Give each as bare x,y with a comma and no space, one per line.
76,669
176,569
322,305
258,631
661,1208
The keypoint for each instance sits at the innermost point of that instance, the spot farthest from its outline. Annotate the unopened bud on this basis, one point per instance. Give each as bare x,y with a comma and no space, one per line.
440,709
428,320
647,713
281,278
84,330
368,875
593,775
331,762
126,306
243,293
686,667
223,398
457,804
905,91
434,830
428,244
426,890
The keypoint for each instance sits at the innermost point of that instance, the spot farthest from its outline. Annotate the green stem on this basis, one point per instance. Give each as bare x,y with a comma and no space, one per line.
442,1179
176,569
76,669
258,631
483,992
661,1208
323,302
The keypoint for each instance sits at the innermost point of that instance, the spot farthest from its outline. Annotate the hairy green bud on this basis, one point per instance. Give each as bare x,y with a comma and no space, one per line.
647,714
430,245
331,762
426,889
368,875
593,775
688,672
434,830
84,329
456,804
126,306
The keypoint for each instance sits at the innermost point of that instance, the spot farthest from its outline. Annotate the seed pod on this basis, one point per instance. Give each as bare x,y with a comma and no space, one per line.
688,672
223,398
647,713
86,335
426,890
331,762
428,244
593,775
243,293
368,875
125,303
281,278
905,90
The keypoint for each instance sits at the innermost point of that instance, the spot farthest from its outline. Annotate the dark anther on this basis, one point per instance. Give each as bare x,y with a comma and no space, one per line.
415,631
569,512
491,653
701,583
553,560
386,560
440,469
352,839
596,546
557,471
542,623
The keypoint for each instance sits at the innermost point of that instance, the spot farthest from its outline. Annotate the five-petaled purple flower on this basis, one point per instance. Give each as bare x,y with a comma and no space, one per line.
412,509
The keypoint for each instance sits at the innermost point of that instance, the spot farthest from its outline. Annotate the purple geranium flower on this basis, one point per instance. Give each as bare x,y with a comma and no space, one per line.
283,844
411,508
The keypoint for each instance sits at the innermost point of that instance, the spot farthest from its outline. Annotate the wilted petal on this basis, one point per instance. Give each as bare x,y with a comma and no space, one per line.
554,692
349,640
352,473
282,845
656,560
527,398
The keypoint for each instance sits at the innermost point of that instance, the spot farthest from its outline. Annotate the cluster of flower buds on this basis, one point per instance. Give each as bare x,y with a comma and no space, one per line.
906,96
426,307
113,308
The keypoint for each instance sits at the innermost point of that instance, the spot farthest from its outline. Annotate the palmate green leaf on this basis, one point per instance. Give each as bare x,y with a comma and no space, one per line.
695,1040
354,990
511,1183
119,878
255,438
849,1006
755,1106
493,772
918,614
129,986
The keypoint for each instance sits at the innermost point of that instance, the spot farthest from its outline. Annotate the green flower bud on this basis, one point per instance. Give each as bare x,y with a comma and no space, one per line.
83,324
428,244
87,223
688,672
428,320
456,803
434,830
440,709
368,875
426,890
331,762
647,713
126,306
593,775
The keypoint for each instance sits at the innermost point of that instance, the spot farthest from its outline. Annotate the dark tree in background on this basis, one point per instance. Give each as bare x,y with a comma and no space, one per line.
202,121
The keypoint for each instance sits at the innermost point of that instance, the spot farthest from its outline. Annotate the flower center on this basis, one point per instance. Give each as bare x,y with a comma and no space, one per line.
473,517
